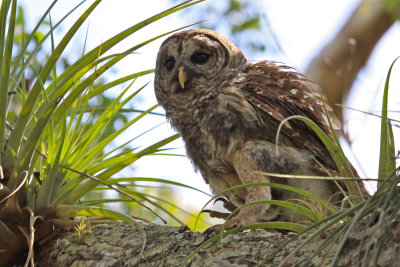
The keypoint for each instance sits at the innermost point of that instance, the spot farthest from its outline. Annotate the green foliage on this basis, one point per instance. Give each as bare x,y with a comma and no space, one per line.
336,152
82,229
55,142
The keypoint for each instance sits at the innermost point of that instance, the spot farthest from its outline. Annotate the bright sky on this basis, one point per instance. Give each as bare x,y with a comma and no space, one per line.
302,27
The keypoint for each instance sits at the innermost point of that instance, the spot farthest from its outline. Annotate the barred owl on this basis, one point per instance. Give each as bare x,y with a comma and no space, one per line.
228,111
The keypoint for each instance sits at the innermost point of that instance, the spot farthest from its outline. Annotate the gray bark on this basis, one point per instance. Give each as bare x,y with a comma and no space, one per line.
120,244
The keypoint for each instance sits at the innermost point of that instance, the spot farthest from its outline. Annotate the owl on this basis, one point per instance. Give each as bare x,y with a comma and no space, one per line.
228,110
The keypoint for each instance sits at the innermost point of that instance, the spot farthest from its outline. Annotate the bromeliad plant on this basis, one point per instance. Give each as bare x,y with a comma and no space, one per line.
53,150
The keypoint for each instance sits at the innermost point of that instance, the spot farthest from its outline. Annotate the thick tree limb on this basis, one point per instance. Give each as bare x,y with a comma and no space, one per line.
119,244
336,67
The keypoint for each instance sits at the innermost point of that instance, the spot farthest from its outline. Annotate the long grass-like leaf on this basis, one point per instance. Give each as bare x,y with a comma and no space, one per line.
74,74
68,211
387,155
329,222
26,153
15,137
95,53
292,206
336,153
84,187
116,82
25,62
5,67
4,8
98,126
49,185
28,39
303,193
148,198
99,181
153,180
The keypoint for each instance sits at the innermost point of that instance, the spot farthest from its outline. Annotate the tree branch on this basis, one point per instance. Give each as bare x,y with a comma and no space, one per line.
336,67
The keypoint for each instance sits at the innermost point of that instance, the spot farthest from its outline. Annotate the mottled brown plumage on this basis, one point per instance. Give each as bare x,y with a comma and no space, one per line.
228,111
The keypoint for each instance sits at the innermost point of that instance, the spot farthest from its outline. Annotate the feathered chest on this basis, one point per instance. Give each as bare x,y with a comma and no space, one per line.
220,128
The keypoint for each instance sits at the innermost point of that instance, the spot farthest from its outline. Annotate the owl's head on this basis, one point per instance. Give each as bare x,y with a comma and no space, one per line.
193,62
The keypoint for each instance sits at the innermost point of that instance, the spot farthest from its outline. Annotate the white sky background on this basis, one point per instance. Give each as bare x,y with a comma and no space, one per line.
302,27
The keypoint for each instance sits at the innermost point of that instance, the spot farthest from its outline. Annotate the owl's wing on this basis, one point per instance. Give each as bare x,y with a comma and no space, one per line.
276,91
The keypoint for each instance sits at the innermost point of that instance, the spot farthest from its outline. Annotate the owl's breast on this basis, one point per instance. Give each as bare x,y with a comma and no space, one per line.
207,138
230,122
222,128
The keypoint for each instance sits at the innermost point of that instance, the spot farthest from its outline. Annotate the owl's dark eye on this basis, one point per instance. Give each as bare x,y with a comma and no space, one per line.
199,58
170,63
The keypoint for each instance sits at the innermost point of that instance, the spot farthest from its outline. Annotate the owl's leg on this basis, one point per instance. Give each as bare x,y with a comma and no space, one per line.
253,158
249,161
246,163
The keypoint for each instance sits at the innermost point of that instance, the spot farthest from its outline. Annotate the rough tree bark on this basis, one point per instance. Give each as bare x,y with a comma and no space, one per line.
120,244
336,67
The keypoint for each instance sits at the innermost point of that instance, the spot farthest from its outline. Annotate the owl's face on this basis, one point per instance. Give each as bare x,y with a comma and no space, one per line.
191,63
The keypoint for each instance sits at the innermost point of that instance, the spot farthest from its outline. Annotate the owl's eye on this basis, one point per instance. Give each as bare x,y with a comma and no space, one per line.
170,63
199,58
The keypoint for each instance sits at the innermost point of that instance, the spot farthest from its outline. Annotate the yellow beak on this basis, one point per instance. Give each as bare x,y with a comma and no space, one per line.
182,77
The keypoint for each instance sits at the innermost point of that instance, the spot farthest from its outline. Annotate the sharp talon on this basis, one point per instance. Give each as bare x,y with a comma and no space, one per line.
221,199
217,214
